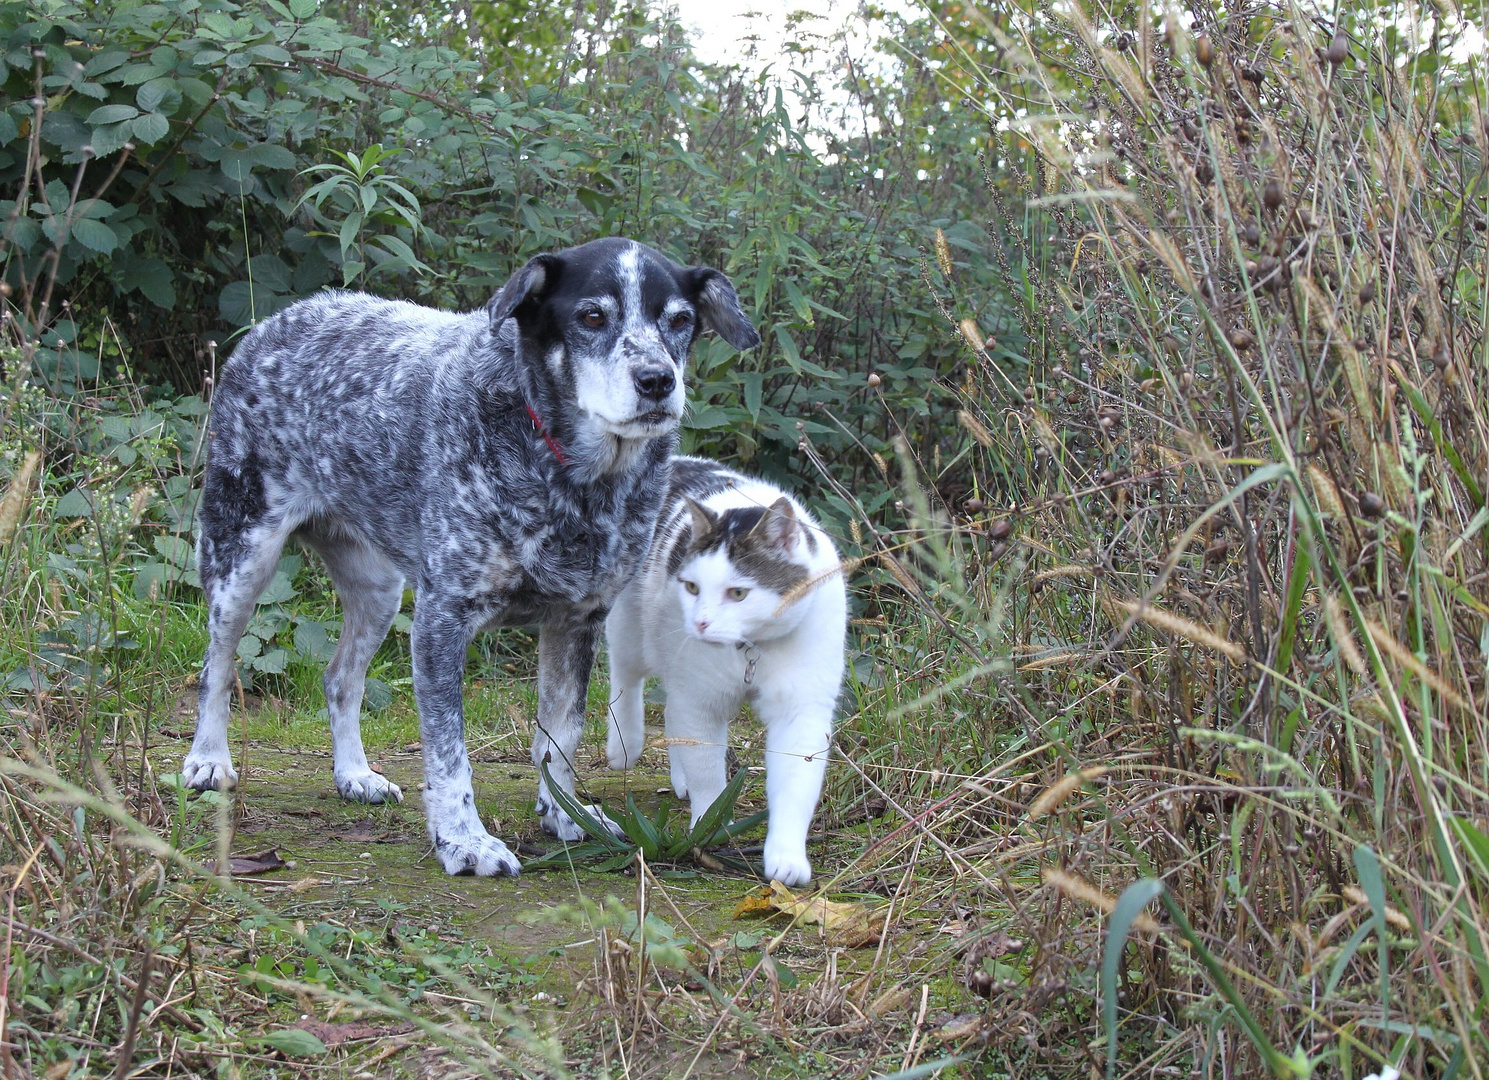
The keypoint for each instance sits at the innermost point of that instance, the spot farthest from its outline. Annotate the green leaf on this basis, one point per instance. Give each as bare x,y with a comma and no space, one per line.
76,503
1367,869
294,1042
1129,905
376,695
311,640
273,662
94,235
111,114
719,811
156,574
176,550
151,128
158,95
303,9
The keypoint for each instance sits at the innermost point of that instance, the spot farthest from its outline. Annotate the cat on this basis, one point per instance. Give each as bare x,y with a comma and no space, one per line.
740,596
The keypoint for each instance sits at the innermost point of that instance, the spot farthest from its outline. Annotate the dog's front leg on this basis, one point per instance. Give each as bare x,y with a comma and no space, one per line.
566,653
460,840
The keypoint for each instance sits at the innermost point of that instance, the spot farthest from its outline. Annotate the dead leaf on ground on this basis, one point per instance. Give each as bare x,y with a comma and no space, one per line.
365,831
355,1031
244,865
849,925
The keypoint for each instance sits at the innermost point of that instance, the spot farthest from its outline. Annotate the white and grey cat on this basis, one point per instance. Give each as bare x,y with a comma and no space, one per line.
738,599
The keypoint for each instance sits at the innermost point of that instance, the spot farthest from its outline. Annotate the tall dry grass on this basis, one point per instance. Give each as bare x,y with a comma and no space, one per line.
1227,537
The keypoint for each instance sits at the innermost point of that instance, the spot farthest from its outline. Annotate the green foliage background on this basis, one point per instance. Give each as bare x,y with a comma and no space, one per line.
179,139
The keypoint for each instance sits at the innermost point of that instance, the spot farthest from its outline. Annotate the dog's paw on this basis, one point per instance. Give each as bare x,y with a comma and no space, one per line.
483,856
789,868
368,787
208,773
559,824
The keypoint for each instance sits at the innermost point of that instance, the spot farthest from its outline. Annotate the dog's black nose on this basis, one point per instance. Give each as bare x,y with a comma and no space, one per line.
655,383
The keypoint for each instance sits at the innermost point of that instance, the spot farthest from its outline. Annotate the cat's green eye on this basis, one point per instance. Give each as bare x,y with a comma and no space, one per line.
737,593
691,586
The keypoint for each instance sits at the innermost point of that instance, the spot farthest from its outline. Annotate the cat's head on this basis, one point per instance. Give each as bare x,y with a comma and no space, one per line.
735,571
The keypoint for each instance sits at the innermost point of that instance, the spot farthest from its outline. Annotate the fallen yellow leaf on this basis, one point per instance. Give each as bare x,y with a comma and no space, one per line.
849,925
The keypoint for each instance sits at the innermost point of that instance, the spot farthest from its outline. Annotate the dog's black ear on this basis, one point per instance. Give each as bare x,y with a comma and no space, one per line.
718,307
530,284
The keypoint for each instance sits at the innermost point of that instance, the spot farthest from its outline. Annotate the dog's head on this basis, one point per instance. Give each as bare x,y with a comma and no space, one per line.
611,323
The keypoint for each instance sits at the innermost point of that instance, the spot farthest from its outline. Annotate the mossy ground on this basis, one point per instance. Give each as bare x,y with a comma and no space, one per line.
369,867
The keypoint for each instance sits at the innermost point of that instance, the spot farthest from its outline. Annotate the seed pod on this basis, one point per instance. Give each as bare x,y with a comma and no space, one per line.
1272,195
1001,529
1204,172
1367,292
1108,476
1241,338
1372,505
1338,50
1216,552
1251,234
981,983
1204,50
874,379
1253,74
975,505
1442,356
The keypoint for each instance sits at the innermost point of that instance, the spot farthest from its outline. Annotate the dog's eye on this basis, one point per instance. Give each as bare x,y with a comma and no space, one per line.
594,317
691,586
681,319
737,593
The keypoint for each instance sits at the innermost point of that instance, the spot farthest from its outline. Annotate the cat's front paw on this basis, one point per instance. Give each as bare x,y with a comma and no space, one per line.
787,867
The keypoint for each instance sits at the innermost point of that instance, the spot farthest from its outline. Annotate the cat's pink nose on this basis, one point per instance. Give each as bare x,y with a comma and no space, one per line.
701,624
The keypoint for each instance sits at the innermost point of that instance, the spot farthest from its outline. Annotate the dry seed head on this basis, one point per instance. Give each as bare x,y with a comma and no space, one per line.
1056,794
1182,627
1367,292
1001,529
1372,505
880,464
1339,630
1326,493
873,379
1241,338
943,253
973,334
14,503
1078,889
1338,49
1272,195
973,425
854,531
1204,50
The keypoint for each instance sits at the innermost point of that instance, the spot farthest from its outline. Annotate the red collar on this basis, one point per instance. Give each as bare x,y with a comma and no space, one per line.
558,451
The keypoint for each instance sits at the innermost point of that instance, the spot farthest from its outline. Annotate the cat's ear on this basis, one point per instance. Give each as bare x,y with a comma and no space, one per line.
778,526
704,520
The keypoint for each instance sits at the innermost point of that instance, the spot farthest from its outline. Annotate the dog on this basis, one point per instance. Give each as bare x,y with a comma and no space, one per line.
508,463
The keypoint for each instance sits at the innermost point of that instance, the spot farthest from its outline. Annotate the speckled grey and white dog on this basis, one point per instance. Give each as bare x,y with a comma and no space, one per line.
508,463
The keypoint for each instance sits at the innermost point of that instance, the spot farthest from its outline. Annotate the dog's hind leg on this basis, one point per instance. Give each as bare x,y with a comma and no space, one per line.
566,653
371,591
234,571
